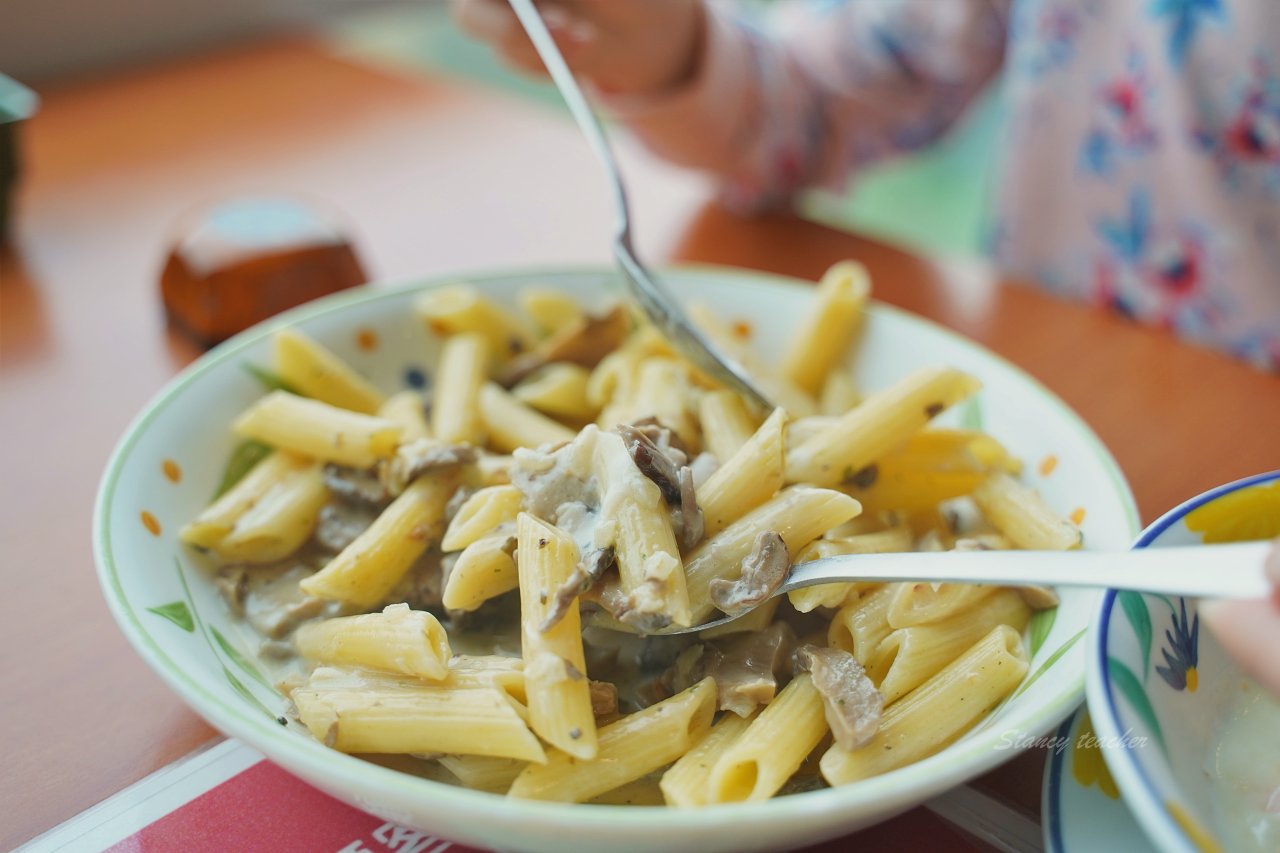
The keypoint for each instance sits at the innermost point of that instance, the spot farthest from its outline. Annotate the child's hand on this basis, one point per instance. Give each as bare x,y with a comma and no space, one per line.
622,46
1250,630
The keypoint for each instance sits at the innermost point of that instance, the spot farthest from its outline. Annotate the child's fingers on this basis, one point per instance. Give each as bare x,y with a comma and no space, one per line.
1250,633
487,20
494,22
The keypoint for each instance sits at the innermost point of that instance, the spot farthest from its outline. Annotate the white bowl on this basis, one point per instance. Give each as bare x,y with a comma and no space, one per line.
1159,729
175,619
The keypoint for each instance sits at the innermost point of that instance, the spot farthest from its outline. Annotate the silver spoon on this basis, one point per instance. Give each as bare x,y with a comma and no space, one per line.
1209,571
652,296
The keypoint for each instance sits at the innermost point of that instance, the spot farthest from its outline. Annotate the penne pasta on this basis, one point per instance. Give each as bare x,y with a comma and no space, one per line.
909,656
630,748
772,748
484,773
511,424
615,376
455,411
881,423
496,672
642,792
311,428
312,370
280,521
460,308
484,570
418,721
861,625
639,530
801,430
480,515
747,479
558,390
520,506
832,325
410,642
726,423
799,515
839,393
367,569
934,465
217,520
810,598
921,603
663,388
1023,516
550,310
554,665
937,712
408,410
686,783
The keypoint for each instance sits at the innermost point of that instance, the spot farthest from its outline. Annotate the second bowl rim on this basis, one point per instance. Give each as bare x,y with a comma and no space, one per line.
1135,784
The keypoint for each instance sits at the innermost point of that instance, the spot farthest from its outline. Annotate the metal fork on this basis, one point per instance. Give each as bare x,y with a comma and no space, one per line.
651,295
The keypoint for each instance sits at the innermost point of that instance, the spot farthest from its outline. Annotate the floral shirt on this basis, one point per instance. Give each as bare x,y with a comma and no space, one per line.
1141,162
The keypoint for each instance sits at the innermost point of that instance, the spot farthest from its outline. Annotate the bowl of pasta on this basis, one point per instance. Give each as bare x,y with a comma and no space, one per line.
422,544
1193,744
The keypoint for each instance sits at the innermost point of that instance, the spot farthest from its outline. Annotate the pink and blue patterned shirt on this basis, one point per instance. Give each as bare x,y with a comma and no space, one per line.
1141,161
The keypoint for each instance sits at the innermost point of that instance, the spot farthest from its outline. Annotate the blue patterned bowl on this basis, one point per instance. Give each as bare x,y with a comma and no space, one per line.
1162,693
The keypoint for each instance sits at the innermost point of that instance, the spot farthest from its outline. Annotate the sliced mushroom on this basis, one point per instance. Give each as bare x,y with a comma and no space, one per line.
746,668
356,485
426,454
584,342
763,571
582,578
340,523
852,703
687,520
664,438
233,583
604,698
651,448
652,462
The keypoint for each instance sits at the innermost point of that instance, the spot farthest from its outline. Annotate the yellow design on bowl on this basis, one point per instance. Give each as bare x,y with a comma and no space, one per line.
1248,514
1087,764
1200,837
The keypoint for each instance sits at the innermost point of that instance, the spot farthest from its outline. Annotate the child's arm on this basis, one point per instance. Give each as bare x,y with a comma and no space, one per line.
830,87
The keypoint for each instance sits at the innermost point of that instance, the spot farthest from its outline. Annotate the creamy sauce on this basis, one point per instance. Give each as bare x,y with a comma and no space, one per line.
1244,773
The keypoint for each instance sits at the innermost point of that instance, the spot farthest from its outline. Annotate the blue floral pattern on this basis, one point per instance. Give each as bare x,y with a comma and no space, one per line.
1141,164
1121,125
1185,18
1182,654
1243,140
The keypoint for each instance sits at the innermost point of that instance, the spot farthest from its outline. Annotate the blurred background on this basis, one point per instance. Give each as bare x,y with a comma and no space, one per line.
934,201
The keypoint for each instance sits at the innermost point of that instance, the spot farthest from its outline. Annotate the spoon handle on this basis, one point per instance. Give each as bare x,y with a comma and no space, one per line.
1214,571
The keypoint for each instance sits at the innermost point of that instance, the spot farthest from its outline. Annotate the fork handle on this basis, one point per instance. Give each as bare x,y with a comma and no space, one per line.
1213,571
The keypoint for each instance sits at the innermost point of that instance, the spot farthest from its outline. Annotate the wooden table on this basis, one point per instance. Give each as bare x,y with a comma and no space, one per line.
434,176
